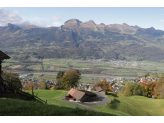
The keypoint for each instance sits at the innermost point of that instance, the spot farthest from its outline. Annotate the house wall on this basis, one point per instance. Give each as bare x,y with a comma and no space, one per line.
84,98
103,92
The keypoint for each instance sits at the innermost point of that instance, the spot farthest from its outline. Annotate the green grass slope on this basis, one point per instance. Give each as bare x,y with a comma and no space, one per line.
119,106
134,106
54,106
15,107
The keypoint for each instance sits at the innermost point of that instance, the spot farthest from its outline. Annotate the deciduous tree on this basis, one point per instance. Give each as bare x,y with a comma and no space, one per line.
42,83
70,79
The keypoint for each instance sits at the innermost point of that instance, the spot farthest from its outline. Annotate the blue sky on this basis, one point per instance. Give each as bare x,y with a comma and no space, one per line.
144,17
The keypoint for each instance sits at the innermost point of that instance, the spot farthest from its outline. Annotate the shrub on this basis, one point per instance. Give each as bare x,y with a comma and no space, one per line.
139,90
12,80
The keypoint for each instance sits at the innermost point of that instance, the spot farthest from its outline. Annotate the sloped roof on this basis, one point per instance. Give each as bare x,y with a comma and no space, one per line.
78,94
88,93
71,92
100,89
3,56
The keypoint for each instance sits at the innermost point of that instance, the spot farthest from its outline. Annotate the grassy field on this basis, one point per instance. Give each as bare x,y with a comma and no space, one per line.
106,68
119,106
134,106
124,83
5,64
55,107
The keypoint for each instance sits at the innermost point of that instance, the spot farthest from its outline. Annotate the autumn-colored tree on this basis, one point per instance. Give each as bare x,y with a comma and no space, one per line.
35,86
128,91
42,84
70,79
97,83
106,85
156,93
110,89
160,89
30,85
149,88
52,88
25,87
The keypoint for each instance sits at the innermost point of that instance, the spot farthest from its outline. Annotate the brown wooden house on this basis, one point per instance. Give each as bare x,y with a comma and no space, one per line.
101,90
80,95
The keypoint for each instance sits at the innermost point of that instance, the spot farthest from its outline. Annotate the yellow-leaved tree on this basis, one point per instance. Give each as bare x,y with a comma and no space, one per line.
106,85
70,79
42,84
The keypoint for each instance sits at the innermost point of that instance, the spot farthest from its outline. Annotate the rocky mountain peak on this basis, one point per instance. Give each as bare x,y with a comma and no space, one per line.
90,22
102,24
29,26
72,22
124,24
13,27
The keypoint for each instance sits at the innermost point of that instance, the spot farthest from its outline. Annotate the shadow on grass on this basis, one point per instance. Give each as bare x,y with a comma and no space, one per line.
114,104
15,107
112,94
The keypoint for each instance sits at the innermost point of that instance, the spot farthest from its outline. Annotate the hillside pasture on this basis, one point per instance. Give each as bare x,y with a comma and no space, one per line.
134,106
16,107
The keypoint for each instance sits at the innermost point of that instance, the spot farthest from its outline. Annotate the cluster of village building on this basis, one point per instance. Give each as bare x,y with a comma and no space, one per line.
25,79
114,82
119,62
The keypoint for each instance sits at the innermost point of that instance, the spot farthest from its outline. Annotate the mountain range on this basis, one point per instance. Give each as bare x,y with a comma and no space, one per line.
114,41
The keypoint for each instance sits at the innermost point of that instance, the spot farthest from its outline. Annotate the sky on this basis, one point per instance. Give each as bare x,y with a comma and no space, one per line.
43,16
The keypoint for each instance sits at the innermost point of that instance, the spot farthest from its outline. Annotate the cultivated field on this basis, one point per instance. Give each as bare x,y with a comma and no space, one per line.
87,67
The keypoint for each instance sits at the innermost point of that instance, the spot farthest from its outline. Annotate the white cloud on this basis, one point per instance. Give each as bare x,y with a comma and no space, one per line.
13,17
56,17
57,24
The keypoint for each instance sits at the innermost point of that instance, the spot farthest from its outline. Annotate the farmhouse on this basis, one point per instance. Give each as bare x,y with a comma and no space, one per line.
101,90
80,95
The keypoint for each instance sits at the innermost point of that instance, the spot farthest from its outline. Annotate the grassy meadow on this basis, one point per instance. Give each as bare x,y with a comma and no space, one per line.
133,106
54,106
118,106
